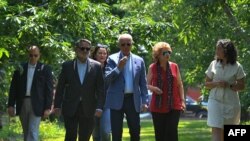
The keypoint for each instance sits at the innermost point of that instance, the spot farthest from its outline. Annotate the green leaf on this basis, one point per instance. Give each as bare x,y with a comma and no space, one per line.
4,51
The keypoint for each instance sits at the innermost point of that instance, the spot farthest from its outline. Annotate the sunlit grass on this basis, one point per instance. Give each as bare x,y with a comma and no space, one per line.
147,131
51,131
194,130
189,130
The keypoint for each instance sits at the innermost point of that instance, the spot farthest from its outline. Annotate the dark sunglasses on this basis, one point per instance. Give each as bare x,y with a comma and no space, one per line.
124,44
84,48
166,53
33,55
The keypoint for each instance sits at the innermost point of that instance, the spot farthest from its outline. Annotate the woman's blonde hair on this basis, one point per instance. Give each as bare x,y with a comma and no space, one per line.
158,48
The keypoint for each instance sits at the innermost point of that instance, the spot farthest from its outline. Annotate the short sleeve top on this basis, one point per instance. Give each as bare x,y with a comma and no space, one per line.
229,73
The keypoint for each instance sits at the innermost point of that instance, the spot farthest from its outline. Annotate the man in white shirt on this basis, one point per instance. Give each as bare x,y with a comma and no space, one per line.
31,92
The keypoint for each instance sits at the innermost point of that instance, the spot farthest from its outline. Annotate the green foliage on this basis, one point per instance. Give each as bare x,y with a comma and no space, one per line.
48,130
51,129
3,51
11,130
191,27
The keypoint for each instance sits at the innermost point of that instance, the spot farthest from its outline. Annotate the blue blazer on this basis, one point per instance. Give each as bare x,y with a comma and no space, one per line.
116,83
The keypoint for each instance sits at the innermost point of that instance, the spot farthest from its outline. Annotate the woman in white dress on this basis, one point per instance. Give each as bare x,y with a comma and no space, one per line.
225,77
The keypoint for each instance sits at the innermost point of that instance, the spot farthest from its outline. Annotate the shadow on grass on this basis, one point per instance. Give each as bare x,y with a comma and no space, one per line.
189,130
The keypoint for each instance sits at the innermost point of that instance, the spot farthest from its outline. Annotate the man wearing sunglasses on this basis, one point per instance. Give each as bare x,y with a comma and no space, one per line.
80,93
31,92
127,92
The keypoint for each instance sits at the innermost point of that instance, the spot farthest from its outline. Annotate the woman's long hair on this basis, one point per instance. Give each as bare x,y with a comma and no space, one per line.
230,51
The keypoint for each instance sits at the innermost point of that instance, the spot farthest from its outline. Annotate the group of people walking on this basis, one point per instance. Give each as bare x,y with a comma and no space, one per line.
94,93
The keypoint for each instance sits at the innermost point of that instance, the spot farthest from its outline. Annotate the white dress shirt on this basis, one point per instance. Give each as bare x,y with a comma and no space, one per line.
81,67
128,76
30,74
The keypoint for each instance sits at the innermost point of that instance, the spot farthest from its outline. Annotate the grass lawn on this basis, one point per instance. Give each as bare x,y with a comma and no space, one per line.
194,130
189,130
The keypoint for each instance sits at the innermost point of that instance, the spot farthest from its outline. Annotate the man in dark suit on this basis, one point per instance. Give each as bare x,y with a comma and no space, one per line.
127,92
80,93
31,91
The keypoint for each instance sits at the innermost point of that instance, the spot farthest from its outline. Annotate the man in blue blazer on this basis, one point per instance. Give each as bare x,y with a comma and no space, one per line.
127,92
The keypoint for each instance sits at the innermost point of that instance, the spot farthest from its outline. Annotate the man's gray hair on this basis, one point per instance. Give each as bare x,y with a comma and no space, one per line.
77,44
125,35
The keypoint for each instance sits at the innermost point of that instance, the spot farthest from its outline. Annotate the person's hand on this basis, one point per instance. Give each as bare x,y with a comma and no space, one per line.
46,113
122,62
98,113
222,84
11,111
57,111
144,107
183,105
233,87
157,90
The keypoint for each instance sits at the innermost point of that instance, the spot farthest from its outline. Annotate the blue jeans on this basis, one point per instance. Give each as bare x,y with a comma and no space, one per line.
102,130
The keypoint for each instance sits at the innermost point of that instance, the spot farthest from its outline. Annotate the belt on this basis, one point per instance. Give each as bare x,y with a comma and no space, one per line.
128,94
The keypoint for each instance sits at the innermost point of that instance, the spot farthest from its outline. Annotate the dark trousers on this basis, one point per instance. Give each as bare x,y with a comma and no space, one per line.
84,125
166,125
132,117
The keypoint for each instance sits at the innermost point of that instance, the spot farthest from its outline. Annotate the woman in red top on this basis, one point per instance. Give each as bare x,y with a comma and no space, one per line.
164,80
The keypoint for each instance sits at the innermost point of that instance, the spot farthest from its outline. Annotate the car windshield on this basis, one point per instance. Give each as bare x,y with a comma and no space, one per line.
191,101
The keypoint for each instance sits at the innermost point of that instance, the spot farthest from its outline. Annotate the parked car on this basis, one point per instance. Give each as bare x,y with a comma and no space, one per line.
195,108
